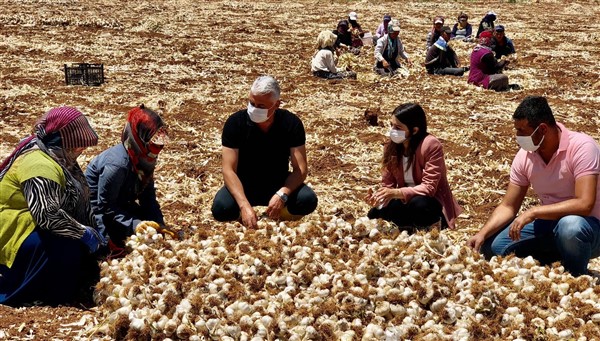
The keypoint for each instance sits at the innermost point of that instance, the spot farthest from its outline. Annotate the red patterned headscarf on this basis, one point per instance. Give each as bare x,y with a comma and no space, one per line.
67,123
485,38
139,135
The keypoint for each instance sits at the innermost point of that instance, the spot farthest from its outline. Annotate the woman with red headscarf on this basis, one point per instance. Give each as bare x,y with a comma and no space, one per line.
47,230
121,179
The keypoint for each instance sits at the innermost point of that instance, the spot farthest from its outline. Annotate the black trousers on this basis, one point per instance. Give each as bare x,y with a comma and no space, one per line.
335,75
300,202
452,71
419,212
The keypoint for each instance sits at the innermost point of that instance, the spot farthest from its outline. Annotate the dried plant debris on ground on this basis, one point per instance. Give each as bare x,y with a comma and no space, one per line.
333,274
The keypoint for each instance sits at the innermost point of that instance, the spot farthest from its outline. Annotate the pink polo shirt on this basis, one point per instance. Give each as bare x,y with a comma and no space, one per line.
577,155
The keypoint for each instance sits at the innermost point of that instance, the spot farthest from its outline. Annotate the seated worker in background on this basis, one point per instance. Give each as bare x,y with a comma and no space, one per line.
501,44
121,179
258,146
343,42
562,167
389,50
487,23
441,58
382,28
462,30
355,30
435,32
323,62
485,69
415,192
47,229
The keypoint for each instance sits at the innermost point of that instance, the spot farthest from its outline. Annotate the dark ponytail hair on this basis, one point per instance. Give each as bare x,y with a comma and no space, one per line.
412,115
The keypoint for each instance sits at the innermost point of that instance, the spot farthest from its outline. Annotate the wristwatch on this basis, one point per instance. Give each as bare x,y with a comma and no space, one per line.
282,196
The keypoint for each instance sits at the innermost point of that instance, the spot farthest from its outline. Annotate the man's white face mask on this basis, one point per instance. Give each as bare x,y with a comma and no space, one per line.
526,142
258,115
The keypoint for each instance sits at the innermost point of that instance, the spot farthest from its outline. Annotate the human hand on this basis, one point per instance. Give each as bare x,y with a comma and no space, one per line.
476,241
369,199
517,225
145,224
384,195
249,218
165,230
160,228
93,239
385,64
275,206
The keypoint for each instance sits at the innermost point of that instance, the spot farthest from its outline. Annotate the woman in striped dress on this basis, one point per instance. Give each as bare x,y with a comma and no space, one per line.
47,230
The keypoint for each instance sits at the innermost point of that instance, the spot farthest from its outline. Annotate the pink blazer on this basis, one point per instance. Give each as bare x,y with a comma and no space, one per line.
429,174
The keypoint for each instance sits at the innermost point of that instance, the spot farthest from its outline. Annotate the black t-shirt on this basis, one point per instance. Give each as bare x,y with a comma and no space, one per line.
263,158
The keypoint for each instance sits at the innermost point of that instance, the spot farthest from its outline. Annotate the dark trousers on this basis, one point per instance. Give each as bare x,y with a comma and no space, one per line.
498,82
300,202
48,268
452,71
418,212
335,75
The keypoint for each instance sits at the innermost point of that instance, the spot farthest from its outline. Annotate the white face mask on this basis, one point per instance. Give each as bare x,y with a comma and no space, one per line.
526,142
258,115
397,136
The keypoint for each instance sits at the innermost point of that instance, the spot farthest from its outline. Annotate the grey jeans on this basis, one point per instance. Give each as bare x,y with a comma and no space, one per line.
498,82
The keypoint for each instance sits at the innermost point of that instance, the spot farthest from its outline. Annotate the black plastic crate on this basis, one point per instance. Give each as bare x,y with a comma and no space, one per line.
84,74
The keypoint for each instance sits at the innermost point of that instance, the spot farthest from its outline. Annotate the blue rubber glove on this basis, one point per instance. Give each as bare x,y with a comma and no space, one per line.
92,239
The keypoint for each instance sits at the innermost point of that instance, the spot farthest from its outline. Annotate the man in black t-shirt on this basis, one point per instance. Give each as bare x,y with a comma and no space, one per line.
258,145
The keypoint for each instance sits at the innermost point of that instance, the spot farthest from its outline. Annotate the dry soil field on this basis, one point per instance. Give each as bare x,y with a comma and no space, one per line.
334,274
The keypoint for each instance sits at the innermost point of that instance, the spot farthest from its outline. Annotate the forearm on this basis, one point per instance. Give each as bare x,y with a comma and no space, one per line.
235,187
379,50
150,205
501,217
330,64
43,198
403,53
294,180
111,207
119,217
561,209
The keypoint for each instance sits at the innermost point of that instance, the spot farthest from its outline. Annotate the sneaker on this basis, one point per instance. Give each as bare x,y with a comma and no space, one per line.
514,87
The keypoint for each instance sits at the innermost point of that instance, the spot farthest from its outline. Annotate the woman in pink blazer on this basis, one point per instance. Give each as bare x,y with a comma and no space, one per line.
415,191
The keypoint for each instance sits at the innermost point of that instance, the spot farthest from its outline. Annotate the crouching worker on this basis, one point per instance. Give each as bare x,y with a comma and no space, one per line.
121,179
441,58
323,62
47,230
258,145
389,50
486,71
562,168
415,192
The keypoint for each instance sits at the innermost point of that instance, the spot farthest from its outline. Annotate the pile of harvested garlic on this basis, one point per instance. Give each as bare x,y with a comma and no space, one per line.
336,280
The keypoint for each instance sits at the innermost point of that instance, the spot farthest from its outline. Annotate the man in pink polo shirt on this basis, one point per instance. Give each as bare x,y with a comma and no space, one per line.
562,167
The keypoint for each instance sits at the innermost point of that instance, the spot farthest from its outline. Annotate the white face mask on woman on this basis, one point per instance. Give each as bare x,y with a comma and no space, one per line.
397,136
526,142
258,115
